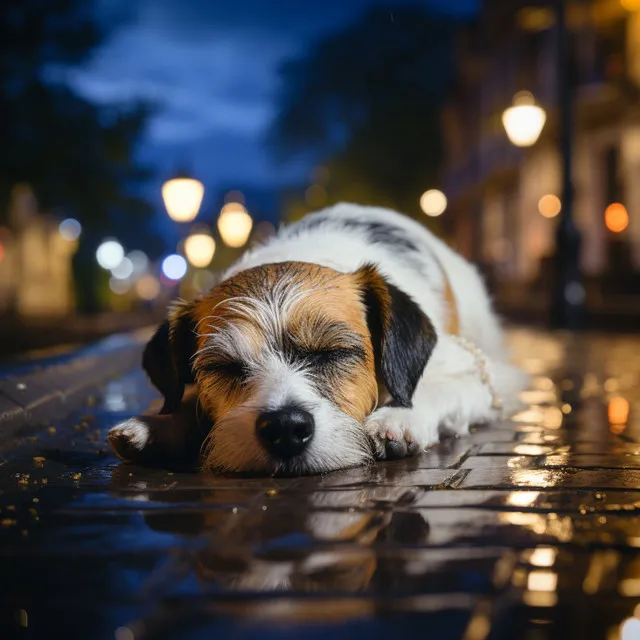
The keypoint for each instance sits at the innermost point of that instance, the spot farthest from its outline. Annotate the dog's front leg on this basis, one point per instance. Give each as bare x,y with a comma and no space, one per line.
460,387
163,440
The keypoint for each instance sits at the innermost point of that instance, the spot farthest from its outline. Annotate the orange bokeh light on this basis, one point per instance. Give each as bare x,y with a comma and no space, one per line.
549,206
616,217
618,411
631,5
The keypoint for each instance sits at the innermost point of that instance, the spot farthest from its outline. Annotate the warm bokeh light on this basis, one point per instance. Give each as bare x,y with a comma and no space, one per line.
543,557
109,254
200,249
234,225
139,260
542,581
1,252
616,217
119,287
433,202
182,198
147,287
618,411
535,18
124,270
630,5
70,229
522,498
524,120
174,267
549,206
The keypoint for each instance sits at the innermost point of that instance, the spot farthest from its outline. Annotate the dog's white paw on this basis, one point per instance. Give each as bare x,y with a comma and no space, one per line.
129,438
397,432
455,425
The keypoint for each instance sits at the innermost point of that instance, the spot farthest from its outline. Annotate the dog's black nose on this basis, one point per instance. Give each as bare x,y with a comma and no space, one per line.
285,433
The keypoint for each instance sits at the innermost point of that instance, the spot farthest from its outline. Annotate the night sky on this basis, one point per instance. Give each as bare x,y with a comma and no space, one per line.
211,66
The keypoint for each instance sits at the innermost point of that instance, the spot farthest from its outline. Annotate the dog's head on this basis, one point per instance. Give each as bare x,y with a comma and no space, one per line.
289,360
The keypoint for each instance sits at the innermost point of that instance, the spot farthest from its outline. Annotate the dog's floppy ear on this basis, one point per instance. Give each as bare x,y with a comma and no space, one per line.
167,357
403,336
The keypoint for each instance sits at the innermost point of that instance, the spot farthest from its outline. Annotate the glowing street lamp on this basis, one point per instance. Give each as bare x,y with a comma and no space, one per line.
200,249
524,120
234,225
182,197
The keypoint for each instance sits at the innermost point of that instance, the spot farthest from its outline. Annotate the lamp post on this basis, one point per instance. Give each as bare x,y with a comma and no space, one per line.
523,123
568,305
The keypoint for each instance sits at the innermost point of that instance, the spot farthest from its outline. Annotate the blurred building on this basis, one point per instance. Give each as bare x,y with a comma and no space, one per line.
497,214
35,261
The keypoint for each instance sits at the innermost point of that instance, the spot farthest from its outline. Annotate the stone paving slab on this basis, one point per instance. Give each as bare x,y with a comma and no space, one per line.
526,529
36,393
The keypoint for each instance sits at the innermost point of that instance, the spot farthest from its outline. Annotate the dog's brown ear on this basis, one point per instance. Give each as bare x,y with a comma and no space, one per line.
167,357
403,336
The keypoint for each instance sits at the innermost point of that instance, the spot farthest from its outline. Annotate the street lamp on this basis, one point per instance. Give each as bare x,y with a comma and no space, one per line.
524,120
199,249
234,225
182,197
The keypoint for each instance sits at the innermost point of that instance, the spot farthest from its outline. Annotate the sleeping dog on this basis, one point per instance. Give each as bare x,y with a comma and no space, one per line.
353,335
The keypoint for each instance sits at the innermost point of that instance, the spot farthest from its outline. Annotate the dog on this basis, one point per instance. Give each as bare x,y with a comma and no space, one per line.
351,336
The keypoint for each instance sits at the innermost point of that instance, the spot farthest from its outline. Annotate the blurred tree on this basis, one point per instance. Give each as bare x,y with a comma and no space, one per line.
77,157
366,102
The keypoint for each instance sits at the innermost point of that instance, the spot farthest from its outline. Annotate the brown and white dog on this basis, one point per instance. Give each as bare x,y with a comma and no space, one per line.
353,335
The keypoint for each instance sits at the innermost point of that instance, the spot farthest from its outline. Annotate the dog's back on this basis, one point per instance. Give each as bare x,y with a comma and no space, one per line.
346,236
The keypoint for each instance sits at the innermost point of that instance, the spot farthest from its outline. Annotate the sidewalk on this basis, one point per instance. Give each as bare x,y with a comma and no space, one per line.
19,335
524,530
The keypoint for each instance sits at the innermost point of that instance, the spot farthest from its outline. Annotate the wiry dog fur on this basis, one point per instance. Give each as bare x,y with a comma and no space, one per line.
344,315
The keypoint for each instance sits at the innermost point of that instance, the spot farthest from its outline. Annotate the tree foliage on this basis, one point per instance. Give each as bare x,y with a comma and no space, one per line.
365,102
76,156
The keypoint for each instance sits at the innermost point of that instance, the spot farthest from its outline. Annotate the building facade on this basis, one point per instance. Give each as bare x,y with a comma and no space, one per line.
495,189
36,277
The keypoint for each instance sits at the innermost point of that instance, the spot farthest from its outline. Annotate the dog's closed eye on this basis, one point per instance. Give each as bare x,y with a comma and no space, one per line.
232,370
329,357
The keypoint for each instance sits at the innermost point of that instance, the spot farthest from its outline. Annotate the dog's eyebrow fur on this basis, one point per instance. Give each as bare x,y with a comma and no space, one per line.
324,335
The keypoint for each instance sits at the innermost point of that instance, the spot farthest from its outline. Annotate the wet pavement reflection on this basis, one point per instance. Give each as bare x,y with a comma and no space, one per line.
527,528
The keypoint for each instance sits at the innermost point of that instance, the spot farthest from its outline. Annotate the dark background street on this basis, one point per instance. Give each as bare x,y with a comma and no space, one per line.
146,144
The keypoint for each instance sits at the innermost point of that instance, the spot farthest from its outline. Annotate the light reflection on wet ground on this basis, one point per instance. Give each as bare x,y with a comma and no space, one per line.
525,529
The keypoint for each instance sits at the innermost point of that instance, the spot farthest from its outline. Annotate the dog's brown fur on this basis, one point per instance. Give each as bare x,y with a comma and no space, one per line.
330,298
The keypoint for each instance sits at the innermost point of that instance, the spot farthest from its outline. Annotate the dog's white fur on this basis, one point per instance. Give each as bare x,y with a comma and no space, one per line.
451,394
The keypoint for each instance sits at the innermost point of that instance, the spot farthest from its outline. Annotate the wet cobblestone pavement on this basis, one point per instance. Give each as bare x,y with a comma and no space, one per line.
527,529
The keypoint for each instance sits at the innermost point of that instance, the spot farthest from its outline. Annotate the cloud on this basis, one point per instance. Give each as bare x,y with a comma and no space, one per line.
211,69
210,65
223,82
